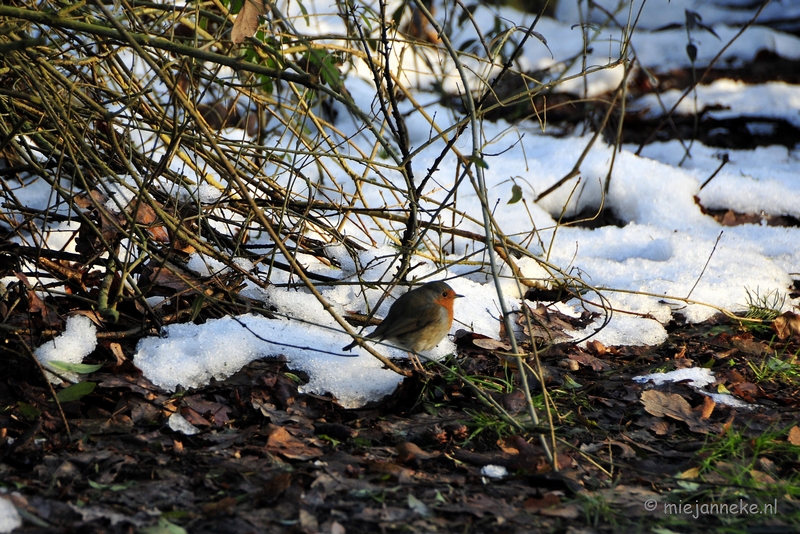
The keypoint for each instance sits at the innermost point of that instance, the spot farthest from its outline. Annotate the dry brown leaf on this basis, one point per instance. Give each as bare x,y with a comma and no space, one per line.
516,445
547,324
276,484
708,407
146,217
514,402
569,511
212,412
659,427
72,271
673,406
786,325
747,391
308,521
761,477
732,376
246,22
388,468
223,506
794,435
282,442
584,358
116,350
626,451
410,452
548,500
37,305
194,418
169,276
663,404
93,316
690,474
596,347
491,344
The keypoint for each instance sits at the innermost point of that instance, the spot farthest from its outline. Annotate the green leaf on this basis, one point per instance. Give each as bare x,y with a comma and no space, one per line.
330,72
75,391
365,20
398,14
266,84
112,487
418,506
304,11
197,306
516,194
466,45
334,442
29,411
478,161
236,6
164,527
80,368
250,55
571,384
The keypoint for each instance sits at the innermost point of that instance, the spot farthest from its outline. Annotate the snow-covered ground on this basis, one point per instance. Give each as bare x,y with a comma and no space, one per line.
666,254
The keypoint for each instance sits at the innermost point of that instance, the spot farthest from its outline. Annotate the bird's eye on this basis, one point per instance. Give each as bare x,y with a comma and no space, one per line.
444,294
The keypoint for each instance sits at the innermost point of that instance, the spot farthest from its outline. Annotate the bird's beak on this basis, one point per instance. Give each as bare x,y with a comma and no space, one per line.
459,296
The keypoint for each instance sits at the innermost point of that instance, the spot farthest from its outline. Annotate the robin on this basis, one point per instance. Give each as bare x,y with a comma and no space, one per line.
419,319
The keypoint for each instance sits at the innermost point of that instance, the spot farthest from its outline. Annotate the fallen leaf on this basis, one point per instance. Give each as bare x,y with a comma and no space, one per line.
794,436
747,391
596,347
410,452
116,350
223,506
308,521
786,325
675,407
491,344
418,506
569,511
548,500
587,359
283,443
36,304
670,405
708,407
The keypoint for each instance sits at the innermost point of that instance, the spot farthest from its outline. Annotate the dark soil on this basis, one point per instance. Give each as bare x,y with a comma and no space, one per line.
268,459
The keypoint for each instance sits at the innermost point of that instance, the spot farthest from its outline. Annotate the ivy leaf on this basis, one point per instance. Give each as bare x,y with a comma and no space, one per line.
516,194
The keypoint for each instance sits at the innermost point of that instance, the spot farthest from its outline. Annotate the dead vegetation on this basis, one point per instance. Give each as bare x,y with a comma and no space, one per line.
125,116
